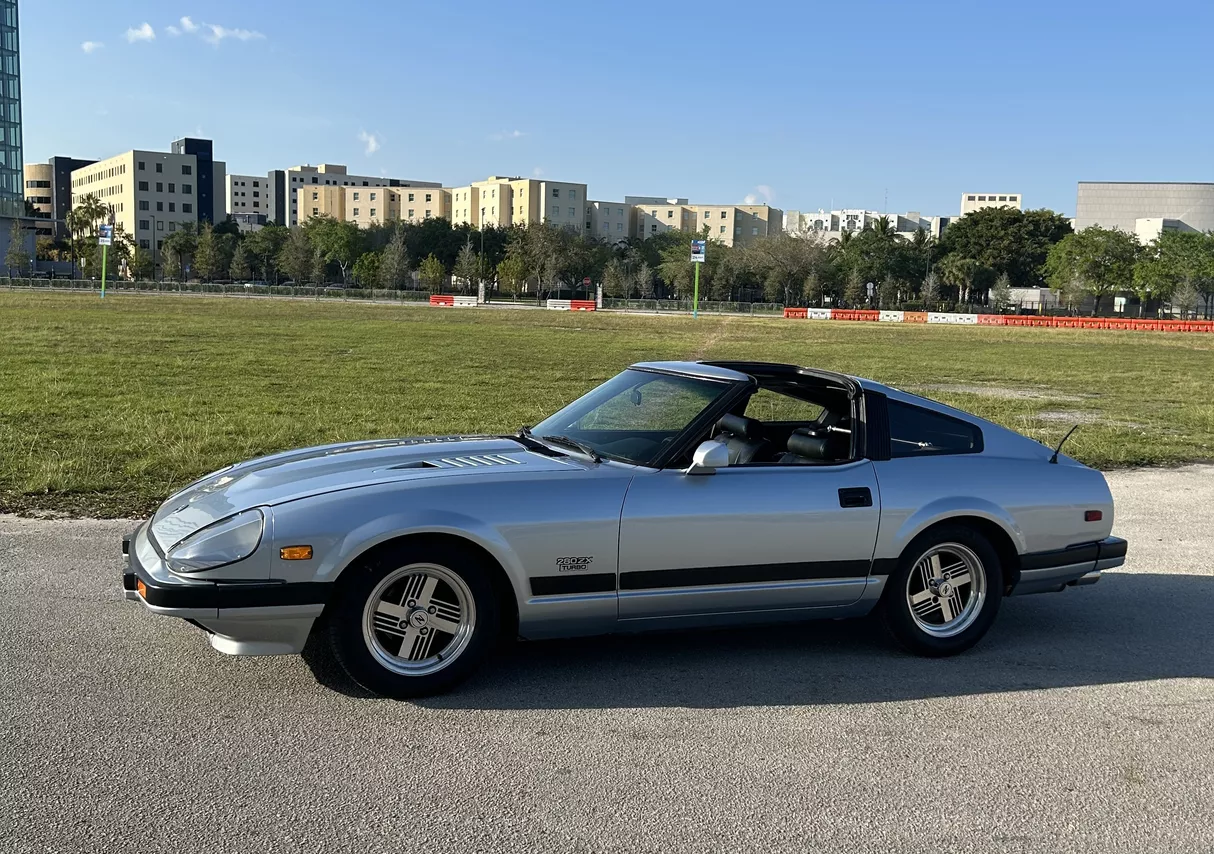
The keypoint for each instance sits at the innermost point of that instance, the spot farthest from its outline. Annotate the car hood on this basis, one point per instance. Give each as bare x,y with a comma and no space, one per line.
311,471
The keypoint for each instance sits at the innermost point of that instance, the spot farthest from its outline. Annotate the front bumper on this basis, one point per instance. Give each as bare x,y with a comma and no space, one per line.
1074,566
241,617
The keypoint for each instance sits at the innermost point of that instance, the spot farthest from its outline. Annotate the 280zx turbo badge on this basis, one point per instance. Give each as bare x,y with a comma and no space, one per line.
573,564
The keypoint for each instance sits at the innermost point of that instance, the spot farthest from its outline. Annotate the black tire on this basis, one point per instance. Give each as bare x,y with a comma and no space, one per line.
896,607
366,666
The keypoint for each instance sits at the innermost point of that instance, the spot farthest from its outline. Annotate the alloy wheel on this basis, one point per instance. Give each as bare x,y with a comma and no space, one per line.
419,619
946,589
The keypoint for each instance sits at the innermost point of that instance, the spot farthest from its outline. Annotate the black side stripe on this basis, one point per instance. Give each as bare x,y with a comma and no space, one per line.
747,574
557,585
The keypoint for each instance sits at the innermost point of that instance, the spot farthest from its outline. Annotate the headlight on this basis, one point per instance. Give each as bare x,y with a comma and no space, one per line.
218,544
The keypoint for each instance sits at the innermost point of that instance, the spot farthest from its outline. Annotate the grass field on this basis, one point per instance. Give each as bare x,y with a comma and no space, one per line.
105,407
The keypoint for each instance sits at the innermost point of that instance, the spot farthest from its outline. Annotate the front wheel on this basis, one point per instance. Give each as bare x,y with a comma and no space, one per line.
415,622
945,593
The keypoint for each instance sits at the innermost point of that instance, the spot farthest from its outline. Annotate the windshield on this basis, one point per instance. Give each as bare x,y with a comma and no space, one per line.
633,416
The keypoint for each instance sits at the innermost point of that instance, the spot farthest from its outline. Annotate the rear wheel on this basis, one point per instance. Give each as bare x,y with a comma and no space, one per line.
945,594
415,622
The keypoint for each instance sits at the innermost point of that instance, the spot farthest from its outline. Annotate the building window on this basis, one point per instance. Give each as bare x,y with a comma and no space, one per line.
619,226
556,193
372,211
160,225
143,225
722,229
1011,198
427,213
141,166
653,229
573,194
356,197
143,186
159,167
1003,198
410,199
669,214
754,231
572,212
315,211
315,180
145,244
356,211
410,213
256,183
160,206
427,197
606,226
722,214
255,204
315,196
971,198
172,226
172,207
737,231
143,206
255,193
982,198
173,188
186,207
372,197
187,169
159,187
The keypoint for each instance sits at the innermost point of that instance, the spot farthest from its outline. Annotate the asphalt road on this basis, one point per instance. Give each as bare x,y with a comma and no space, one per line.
1084,722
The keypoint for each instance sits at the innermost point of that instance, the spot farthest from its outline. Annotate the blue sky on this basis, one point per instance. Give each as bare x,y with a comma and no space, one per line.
802,104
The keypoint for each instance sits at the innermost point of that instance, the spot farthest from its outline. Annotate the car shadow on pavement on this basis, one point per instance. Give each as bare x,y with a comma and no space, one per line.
1129,627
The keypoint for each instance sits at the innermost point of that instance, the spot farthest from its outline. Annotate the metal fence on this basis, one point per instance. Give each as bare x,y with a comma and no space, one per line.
658,306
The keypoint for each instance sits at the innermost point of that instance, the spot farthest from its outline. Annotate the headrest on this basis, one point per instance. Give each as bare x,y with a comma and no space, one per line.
739,425
804,445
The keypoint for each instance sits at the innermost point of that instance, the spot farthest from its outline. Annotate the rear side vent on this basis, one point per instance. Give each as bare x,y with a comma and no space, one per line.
478,461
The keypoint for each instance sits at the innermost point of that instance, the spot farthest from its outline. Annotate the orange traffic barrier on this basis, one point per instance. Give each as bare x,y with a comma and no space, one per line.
914,317
442,299
854,314
582,305
796,312
991,320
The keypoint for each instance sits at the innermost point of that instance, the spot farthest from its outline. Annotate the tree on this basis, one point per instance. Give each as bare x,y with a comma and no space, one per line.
295,256
16,258
337,240
177,252
394,262
959,272
45,249
82,221
1098,260
240,267
1174,259
1186,299
366,269
467,268
1006,240
512,272
887,294
645,280
140,265
855,291
784,262
432,273
812,290
206,255
615,280
266,244
1001,293
319,272
930,291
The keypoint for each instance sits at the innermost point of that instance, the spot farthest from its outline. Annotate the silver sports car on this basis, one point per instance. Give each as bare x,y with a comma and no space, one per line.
676,494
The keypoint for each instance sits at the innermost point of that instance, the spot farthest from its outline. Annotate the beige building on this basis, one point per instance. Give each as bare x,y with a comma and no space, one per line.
737,225
971,202
502,201
671,215
151,194
299,180
610,221
373,205
38,193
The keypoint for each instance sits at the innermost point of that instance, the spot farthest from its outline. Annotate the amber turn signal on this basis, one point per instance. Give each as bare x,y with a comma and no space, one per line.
1092,516
295,553
142,588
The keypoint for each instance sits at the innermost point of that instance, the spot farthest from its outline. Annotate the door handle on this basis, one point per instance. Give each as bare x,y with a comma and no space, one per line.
855,496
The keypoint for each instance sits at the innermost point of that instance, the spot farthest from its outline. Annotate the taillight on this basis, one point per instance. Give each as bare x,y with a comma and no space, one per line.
1092,516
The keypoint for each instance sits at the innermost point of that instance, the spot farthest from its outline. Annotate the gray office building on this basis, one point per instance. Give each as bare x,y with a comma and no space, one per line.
1143,208
12,184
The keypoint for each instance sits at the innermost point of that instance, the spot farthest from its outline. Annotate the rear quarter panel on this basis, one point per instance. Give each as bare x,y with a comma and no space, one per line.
1040,506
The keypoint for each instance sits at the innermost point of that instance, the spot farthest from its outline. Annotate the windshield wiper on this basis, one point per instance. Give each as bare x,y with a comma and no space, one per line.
570,443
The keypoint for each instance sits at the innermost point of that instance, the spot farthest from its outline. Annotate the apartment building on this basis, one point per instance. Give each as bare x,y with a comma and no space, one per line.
48,187
151,194
971,202
610,221
654,218
505,201
737,225
250,194
288,184
830,225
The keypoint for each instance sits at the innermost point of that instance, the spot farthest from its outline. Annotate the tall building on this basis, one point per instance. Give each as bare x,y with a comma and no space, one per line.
610,221
151,194
48,187
249,194
12,186
1144,208
971,202
733,225
289,183
505,201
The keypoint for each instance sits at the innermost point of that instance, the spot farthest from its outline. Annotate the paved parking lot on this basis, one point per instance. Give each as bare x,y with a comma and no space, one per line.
1084,722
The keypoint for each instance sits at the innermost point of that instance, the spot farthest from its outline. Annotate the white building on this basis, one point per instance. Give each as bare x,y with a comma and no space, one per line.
250,194
830,225
971,202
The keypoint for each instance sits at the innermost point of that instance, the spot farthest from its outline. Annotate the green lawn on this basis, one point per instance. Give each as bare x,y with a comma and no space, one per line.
106,406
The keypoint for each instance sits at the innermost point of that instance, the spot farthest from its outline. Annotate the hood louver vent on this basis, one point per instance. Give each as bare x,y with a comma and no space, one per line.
478,461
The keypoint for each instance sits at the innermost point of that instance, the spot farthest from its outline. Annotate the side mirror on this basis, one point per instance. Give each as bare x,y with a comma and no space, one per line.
709,457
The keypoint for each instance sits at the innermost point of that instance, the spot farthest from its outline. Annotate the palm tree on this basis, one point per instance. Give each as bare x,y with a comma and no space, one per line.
959,272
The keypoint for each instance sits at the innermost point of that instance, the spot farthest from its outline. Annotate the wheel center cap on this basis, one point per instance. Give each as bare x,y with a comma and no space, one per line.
418,618
944,588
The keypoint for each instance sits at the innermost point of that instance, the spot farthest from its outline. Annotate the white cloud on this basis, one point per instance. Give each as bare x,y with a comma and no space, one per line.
172,31
89,47
141,34
763,195
217,33
372,142
188,25
506,134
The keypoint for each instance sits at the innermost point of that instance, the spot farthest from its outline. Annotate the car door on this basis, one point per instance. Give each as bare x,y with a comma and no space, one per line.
747,538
